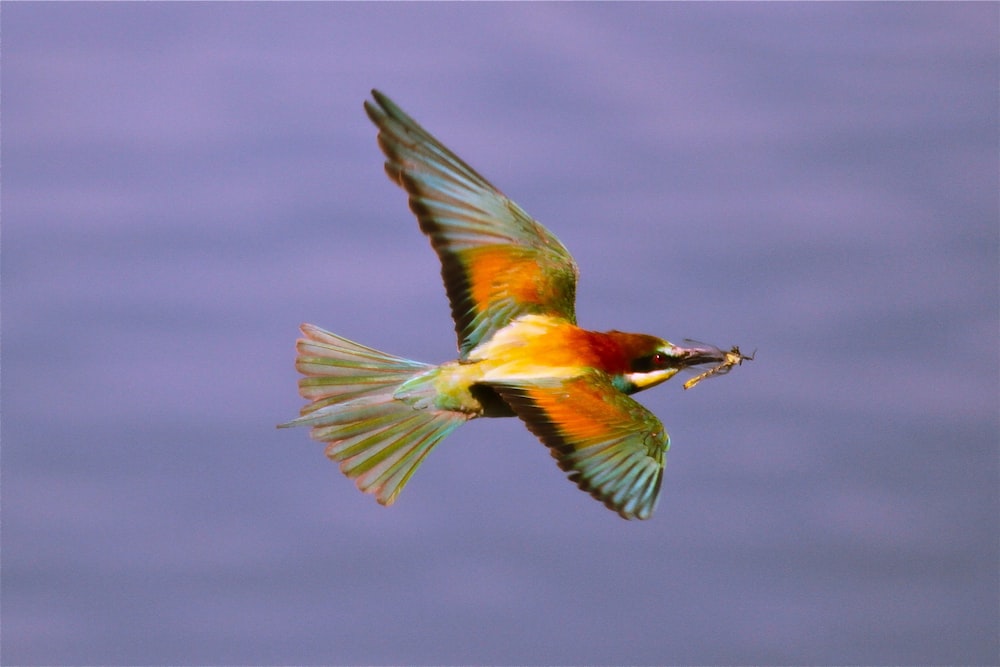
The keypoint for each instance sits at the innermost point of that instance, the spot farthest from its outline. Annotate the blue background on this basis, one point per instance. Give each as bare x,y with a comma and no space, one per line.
183,184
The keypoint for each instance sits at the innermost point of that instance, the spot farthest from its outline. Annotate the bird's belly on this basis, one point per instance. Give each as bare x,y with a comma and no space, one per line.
530,348
458,388
533,347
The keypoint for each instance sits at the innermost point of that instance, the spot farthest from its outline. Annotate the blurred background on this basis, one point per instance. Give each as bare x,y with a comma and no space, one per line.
184,184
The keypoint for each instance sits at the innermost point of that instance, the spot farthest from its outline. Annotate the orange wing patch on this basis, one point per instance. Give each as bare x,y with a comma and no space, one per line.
505,271
611,446
581,418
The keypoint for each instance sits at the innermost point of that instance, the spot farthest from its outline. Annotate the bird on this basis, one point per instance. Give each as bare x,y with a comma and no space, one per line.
511,285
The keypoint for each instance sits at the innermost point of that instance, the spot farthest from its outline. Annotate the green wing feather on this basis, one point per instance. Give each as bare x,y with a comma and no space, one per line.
610,445
497,262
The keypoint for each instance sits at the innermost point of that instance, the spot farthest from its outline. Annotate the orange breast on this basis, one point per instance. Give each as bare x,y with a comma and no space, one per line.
534,343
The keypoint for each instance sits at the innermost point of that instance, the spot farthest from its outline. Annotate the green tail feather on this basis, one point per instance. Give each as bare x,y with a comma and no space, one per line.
378,437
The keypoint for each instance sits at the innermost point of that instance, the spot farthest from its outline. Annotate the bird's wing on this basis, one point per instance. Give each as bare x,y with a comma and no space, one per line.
611,446
497,262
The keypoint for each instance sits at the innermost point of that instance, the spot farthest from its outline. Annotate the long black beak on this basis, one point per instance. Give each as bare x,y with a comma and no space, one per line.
695,353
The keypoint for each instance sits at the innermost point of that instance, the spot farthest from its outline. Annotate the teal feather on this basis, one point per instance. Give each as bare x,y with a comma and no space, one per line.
378,437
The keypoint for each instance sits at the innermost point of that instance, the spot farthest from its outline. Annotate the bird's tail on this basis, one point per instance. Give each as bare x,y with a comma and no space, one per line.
377,433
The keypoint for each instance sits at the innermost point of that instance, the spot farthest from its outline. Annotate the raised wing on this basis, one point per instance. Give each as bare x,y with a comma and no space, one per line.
611,446
497,262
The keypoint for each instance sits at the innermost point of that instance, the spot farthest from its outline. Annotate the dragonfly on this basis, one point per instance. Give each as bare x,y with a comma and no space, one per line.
729,359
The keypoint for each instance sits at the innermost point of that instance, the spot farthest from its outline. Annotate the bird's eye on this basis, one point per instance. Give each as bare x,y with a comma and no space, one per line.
655,361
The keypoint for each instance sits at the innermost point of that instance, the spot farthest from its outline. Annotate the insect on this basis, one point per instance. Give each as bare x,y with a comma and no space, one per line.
512,289
731,358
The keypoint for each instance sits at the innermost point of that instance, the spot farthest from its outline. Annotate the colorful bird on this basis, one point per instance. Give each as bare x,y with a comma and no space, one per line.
512,288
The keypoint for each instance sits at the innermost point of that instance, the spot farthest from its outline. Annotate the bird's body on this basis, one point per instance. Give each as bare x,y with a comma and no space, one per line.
512,286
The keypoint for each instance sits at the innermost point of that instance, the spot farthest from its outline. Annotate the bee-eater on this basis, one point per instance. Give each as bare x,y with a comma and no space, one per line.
512,287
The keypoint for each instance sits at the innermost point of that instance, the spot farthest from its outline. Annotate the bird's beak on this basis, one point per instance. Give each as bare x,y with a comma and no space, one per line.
696,354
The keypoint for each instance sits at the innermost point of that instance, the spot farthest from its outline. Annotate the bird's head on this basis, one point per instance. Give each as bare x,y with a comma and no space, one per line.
651,360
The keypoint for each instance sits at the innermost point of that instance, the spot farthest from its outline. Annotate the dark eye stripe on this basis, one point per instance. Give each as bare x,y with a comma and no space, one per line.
653,362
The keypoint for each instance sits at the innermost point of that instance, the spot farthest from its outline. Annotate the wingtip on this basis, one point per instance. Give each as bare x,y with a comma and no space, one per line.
375,114
380,104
